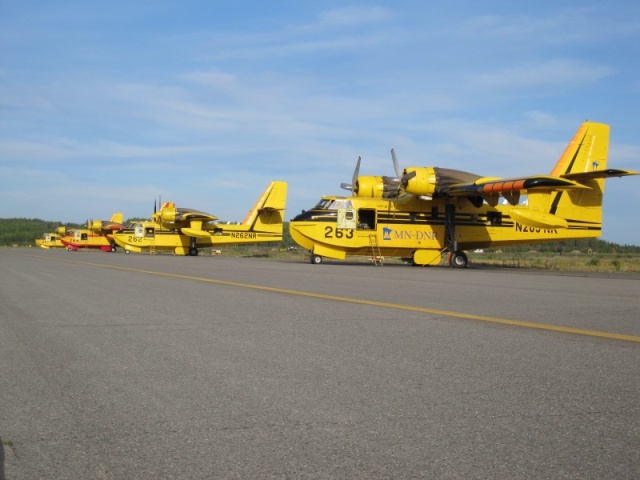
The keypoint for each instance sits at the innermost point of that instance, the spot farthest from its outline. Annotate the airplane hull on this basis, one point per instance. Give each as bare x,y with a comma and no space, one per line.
88,241
48,241
181,244
408,233
184,231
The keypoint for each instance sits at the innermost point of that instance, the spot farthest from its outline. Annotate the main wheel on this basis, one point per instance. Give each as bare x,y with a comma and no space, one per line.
458,259
316,259
193,251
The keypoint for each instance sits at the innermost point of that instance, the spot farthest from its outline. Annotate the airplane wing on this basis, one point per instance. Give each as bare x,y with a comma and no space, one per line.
489,186
103,226
189,214
491,189
429,182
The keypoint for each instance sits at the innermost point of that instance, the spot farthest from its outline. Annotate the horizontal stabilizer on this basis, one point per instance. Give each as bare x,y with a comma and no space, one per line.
610,172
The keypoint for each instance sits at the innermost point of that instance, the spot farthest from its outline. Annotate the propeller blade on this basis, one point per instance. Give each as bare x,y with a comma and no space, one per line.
396,164
356,172
354,178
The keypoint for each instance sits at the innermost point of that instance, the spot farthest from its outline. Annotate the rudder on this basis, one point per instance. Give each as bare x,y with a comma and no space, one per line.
267,215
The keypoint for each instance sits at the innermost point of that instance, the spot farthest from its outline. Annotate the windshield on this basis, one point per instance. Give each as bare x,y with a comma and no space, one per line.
333,204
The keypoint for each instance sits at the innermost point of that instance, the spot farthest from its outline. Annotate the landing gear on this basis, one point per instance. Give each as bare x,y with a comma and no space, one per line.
193,250
458,259
316,259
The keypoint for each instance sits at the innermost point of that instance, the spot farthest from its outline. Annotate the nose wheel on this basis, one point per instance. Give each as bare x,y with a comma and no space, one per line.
316,259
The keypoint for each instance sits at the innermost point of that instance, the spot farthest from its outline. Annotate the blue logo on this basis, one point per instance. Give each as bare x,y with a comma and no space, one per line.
595,165
386,233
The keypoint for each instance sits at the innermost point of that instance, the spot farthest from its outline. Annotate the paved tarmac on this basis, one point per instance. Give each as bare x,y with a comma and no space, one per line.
118,366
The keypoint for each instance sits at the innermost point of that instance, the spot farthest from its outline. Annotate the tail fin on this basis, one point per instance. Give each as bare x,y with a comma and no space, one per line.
267,215
584,161
578,211
117,217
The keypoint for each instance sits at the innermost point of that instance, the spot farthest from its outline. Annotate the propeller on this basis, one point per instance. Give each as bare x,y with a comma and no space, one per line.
403,179
354,178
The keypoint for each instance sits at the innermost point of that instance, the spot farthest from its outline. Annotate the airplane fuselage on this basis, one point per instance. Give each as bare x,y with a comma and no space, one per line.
149,236
416,229
86,239
49,240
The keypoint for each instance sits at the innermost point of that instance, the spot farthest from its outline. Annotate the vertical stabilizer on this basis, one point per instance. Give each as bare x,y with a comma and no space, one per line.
584,161
267,215
587,152
117,218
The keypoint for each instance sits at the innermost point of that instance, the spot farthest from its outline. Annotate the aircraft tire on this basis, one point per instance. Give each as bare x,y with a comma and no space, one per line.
458,259
193,252
316,259
127,252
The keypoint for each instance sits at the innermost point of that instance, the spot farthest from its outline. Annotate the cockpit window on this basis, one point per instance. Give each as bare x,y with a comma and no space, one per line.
333,204
339,203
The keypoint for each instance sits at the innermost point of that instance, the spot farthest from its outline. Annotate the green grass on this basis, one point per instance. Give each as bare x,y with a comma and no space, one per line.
575,261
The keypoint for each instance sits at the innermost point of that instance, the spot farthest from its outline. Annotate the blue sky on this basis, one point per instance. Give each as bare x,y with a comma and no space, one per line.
104,106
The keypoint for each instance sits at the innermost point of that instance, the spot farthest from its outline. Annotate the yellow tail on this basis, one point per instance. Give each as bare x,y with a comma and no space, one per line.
267,215
585,161
117,218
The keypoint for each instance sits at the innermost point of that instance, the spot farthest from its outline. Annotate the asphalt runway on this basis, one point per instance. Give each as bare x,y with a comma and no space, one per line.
121,366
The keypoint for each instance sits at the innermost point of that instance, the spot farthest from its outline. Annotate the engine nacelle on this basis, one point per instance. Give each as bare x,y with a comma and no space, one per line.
423,183
95,225
376,187
168,214
367,186
62,231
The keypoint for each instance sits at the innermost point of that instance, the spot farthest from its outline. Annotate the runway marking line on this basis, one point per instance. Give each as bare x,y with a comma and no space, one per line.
433,311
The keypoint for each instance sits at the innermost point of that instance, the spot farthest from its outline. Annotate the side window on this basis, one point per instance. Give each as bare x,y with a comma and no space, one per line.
494,218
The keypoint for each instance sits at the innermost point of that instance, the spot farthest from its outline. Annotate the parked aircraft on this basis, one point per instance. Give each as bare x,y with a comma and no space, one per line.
425,211
50,240
184,230
98,234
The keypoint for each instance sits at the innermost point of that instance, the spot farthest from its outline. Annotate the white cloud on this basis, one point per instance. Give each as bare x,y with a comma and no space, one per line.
555,72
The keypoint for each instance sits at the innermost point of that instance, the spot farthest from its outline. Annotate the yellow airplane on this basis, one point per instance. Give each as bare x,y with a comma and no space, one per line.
97,235
50,240
425,211
184,231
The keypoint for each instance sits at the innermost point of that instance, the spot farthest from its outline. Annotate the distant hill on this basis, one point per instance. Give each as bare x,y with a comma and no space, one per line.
24,231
